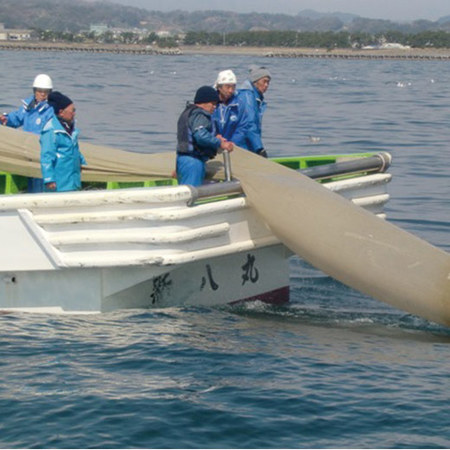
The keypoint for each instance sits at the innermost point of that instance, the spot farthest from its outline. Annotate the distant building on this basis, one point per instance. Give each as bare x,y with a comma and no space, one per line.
386,46
98,29
10,34
394,45
163,34
258,29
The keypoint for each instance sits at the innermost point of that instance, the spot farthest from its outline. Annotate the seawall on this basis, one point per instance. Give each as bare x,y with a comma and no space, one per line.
270,52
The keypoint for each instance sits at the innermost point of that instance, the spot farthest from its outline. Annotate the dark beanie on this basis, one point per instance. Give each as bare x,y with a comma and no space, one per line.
206,94
58,101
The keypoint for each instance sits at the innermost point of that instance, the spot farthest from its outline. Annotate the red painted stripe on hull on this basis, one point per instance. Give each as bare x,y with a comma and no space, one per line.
275,297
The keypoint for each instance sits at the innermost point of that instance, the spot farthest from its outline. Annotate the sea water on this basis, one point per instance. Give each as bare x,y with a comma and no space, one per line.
333,368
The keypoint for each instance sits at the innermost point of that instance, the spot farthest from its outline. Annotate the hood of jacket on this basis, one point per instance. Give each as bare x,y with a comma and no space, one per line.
247,85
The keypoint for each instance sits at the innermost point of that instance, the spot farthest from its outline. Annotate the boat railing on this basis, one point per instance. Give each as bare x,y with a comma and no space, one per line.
378,163
214,190
314,167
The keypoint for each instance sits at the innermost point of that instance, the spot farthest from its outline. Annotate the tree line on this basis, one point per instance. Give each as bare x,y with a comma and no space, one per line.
316,39
289,39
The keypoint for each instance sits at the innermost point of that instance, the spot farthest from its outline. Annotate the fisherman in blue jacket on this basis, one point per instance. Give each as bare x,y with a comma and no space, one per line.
61,159
251,94
197,140
32,116
229,117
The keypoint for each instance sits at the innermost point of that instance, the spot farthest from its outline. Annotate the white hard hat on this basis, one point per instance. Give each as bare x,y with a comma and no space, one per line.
226,77
43,81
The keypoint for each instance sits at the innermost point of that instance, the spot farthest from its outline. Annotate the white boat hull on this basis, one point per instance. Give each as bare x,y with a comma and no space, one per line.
262,274
97,251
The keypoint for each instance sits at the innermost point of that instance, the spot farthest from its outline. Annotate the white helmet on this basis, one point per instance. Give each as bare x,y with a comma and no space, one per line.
43,81
226,77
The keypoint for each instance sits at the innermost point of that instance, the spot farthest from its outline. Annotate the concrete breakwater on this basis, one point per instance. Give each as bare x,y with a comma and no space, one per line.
135,50
269,52
307,52
378,54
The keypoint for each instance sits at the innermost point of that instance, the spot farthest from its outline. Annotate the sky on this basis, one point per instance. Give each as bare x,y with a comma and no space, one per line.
396,10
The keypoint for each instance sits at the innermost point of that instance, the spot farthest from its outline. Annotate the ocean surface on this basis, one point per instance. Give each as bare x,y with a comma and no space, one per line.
333,369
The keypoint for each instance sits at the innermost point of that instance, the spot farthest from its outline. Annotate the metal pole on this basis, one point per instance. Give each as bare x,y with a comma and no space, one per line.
227,165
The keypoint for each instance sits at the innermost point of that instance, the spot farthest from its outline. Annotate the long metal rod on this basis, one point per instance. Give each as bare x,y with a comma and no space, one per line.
376,163
215,190
227,165
371,164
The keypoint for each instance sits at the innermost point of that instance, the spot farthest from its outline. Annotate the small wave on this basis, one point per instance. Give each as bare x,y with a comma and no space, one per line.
351,311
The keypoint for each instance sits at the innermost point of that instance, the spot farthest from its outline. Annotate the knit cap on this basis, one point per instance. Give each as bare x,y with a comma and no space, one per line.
58,101
206,94
258,72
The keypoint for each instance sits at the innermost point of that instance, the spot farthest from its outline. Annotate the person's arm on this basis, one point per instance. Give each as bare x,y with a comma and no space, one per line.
82,158
253,129
15,118
215,116
242,125
207,143
48,158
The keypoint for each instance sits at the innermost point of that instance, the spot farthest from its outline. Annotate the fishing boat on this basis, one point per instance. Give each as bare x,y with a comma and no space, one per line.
131,240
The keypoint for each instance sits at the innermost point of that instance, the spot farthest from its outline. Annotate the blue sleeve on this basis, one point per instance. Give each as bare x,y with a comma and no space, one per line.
241,130
253,129
48,155
16,118
216,120
82,160
205,140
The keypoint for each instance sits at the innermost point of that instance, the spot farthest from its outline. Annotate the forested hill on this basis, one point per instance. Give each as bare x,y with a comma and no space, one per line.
68,15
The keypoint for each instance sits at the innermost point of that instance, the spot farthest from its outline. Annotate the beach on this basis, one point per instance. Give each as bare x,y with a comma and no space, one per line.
344,53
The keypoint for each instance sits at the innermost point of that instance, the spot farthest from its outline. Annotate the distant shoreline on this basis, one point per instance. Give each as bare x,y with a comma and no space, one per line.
282,52
393,53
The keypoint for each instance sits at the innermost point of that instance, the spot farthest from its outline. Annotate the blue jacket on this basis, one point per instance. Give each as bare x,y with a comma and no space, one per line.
61,159
197,134
30,116
254,109
231,121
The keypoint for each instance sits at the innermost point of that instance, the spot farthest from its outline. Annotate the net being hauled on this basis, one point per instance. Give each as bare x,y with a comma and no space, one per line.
20,155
